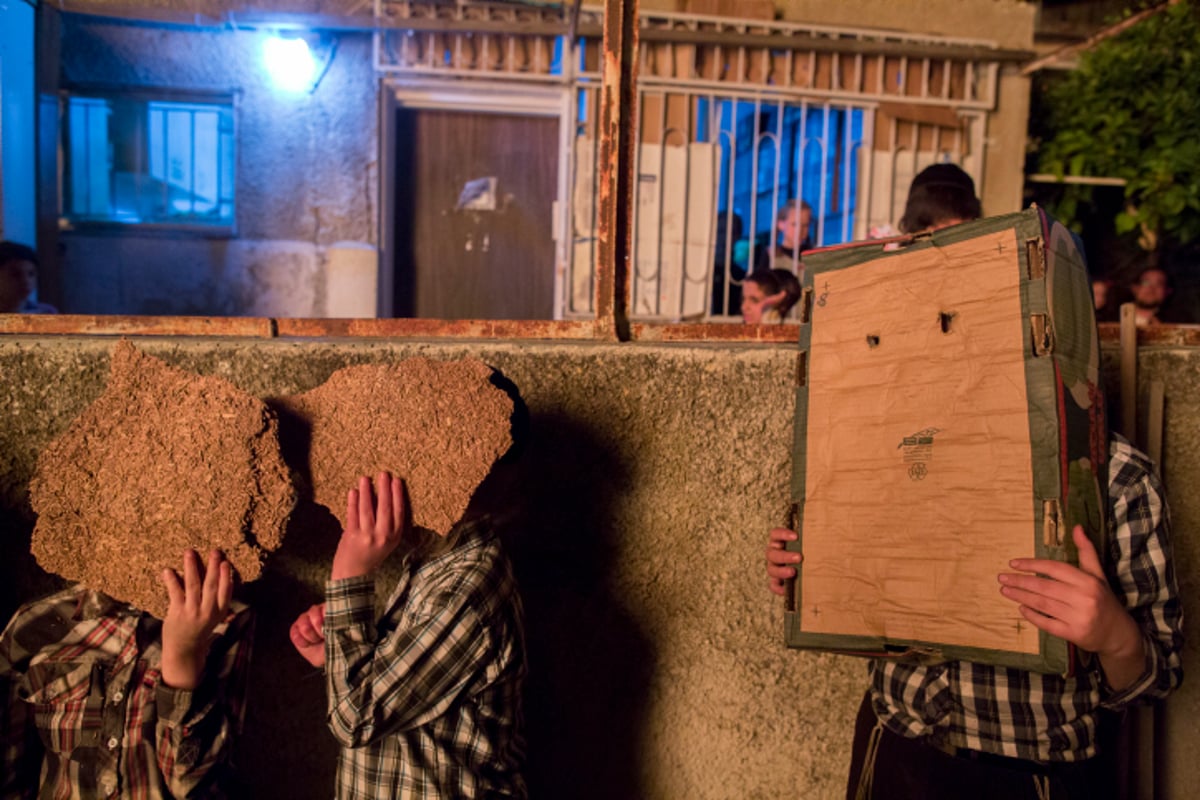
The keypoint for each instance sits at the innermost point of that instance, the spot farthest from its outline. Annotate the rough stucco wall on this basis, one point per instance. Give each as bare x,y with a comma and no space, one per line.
306,176
198,277
636,519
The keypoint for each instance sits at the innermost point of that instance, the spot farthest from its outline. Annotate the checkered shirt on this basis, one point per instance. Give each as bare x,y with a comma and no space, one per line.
426,701
84,712
1039,717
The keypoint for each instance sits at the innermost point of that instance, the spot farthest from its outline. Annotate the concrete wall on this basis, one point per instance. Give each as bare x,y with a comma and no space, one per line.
306,176
1179,371
652,474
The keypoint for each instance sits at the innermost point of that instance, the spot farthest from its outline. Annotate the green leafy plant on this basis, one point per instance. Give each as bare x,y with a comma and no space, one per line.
1132,110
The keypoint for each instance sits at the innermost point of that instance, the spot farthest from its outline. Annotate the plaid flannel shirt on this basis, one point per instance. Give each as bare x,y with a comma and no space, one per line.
1038,717
426,701
86,714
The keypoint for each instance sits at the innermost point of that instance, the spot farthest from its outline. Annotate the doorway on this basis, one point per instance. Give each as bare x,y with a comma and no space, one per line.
474,197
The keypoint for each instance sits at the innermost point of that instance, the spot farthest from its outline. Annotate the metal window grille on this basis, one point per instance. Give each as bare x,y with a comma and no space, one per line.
736,118
133,160
711,186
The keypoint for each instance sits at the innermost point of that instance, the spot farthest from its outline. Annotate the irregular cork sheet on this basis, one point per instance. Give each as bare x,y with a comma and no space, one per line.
440,425
162,461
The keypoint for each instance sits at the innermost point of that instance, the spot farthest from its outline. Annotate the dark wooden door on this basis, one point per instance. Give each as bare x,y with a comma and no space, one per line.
459,263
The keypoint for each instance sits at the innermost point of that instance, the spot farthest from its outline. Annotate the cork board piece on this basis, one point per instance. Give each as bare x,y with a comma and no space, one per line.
917,397
163,460
439,425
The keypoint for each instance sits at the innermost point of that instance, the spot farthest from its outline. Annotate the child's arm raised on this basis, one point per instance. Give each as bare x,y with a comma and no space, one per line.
379,684
197,606
206,652
373,530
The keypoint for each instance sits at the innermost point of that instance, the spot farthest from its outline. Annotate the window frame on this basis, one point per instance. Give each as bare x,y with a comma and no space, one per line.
230,98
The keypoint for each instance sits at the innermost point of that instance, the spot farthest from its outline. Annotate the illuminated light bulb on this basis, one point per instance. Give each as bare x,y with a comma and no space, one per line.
289,63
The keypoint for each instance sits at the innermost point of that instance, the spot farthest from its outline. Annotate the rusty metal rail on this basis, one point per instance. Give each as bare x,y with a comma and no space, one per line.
293,328
546,330
614,200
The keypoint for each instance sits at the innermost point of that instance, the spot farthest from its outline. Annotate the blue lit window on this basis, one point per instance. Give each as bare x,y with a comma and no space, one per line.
137,160
814,150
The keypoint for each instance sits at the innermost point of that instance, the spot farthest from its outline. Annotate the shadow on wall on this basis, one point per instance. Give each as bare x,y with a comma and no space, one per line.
286,750
590,664
21,578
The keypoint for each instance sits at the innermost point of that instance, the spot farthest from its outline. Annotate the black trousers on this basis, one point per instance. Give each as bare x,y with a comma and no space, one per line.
911,769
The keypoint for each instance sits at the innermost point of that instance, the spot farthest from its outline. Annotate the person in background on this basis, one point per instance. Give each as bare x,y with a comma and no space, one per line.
792,231
768,295
18,280
940,196
1151,290
1104,299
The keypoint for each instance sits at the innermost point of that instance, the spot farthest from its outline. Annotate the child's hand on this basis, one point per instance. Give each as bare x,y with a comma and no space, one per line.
372,532
308,635
781,563
196,607
1077,604
753,313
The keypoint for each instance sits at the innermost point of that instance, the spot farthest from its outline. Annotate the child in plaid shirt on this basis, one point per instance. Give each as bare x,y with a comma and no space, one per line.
101,699
425,700
961,729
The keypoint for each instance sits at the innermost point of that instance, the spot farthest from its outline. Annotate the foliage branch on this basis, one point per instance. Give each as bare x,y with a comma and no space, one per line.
1132,110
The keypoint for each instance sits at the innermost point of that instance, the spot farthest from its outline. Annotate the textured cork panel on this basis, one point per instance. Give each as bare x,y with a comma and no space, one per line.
440,425
163,460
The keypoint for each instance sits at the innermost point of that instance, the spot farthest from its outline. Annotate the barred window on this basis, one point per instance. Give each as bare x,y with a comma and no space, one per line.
136,159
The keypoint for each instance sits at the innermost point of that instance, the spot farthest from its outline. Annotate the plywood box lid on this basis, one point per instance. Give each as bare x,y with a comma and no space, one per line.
950,420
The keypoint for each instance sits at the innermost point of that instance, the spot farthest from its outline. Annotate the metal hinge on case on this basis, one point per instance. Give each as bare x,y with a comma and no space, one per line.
1052,524
1041,328
806,302
1042,332
1035,258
